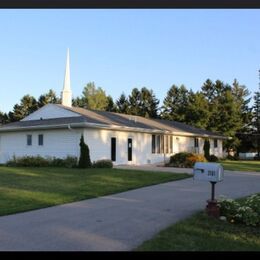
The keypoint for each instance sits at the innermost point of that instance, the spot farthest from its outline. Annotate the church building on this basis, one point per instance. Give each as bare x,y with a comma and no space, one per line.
55,130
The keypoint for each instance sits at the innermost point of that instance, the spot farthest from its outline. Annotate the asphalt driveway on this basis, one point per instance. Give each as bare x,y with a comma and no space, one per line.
117,222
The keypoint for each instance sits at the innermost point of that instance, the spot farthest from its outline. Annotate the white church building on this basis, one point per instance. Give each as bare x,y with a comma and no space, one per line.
55,130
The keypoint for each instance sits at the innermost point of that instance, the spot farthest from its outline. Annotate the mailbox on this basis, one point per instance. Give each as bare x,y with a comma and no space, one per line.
212,172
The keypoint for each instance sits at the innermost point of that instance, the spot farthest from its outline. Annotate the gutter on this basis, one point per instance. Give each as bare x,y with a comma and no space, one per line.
106,127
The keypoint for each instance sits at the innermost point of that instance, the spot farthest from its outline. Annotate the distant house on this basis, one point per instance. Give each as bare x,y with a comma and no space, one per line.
55,130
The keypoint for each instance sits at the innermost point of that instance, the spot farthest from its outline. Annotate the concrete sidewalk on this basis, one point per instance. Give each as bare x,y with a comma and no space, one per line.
117,222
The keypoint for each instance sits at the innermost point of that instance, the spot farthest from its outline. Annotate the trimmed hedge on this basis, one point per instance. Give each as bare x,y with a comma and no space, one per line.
103,164
39,161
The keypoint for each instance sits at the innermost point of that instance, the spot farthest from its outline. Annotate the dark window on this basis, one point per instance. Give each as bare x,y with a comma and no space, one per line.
113,149
40,139
158,143
215,143
29,139
196,142
153,143
130,149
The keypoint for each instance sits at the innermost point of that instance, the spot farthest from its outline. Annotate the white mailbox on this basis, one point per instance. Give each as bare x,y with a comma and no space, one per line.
212,172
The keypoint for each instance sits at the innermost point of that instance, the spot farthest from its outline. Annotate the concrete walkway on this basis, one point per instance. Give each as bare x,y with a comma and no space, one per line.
117,222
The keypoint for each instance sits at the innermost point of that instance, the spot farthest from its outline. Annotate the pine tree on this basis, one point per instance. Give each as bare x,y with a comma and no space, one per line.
122,104
256,123
84,159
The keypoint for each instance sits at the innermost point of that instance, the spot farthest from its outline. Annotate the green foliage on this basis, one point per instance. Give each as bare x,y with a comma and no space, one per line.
48,98
140,102
102,164
84,159
94,98
122,104
39,161
175,104
206,148
184,159
28,104
246,211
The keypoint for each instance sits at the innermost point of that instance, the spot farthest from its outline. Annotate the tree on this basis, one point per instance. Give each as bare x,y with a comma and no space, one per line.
110,104
48,98
84,159
94,98
149,103
28,104
175,104
122,104
134,99
197,111
3,118
256,123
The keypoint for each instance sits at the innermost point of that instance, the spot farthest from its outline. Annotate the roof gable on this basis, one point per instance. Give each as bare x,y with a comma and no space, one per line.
50,111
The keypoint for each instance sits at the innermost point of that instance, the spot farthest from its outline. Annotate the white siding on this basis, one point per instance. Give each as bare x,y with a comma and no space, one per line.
58,143
63,142
50,111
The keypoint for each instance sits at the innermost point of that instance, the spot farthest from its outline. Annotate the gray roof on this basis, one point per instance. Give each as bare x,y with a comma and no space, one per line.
109,119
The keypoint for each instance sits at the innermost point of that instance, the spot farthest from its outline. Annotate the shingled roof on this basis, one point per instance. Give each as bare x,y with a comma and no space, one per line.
110,119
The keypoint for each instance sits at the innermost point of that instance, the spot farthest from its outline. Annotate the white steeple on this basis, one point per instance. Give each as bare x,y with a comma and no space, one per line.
66,94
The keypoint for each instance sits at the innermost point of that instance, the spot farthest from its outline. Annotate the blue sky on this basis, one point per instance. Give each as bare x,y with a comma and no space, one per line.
124,48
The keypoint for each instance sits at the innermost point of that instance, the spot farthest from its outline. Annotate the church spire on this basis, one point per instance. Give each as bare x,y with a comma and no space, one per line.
66,94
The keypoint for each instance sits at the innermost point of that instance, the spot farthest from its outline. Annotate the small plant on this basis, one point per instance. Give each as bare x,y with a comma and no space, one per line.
103,164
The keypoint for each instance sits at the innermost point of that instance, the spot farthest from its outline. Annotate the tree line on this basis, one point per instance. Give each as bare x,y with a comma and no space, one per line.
217,106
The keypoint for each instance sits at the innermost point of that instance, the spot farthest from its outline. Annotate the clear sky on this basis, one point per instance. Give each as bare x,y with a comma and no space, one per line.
124,48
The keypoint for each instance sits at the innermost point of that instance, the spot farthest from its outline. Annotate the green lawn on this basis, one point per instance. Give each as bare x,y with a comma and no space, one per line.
201,233
23,189
250,166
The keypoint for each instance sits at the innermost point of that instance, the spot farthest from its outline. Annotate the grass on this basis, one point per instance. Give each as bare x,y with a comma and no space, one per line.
249,166
203,233
23,189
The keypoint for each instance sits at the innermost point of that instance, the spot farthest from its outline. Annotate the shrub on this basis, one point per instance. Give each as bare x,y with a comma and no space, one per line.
184,159
84,159
39,161
29,161
246,212
103,164
213,158
67,162
191,160
254,203
179,159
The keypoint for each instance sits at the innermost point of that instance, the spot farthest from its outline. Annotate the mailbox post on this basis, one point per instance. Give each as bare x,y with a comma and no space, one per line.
213,173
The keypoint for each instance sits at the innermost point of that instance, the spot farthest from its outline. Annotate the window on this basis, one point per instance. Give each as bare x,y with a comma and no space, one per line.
40,139
153,143
113,149
29,139
158,143
215,143
162,144
196,142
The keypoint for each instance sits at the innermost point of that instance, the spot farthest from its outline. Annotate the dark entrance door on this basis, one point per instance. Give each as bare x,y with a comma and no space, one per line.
113,149
129,147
